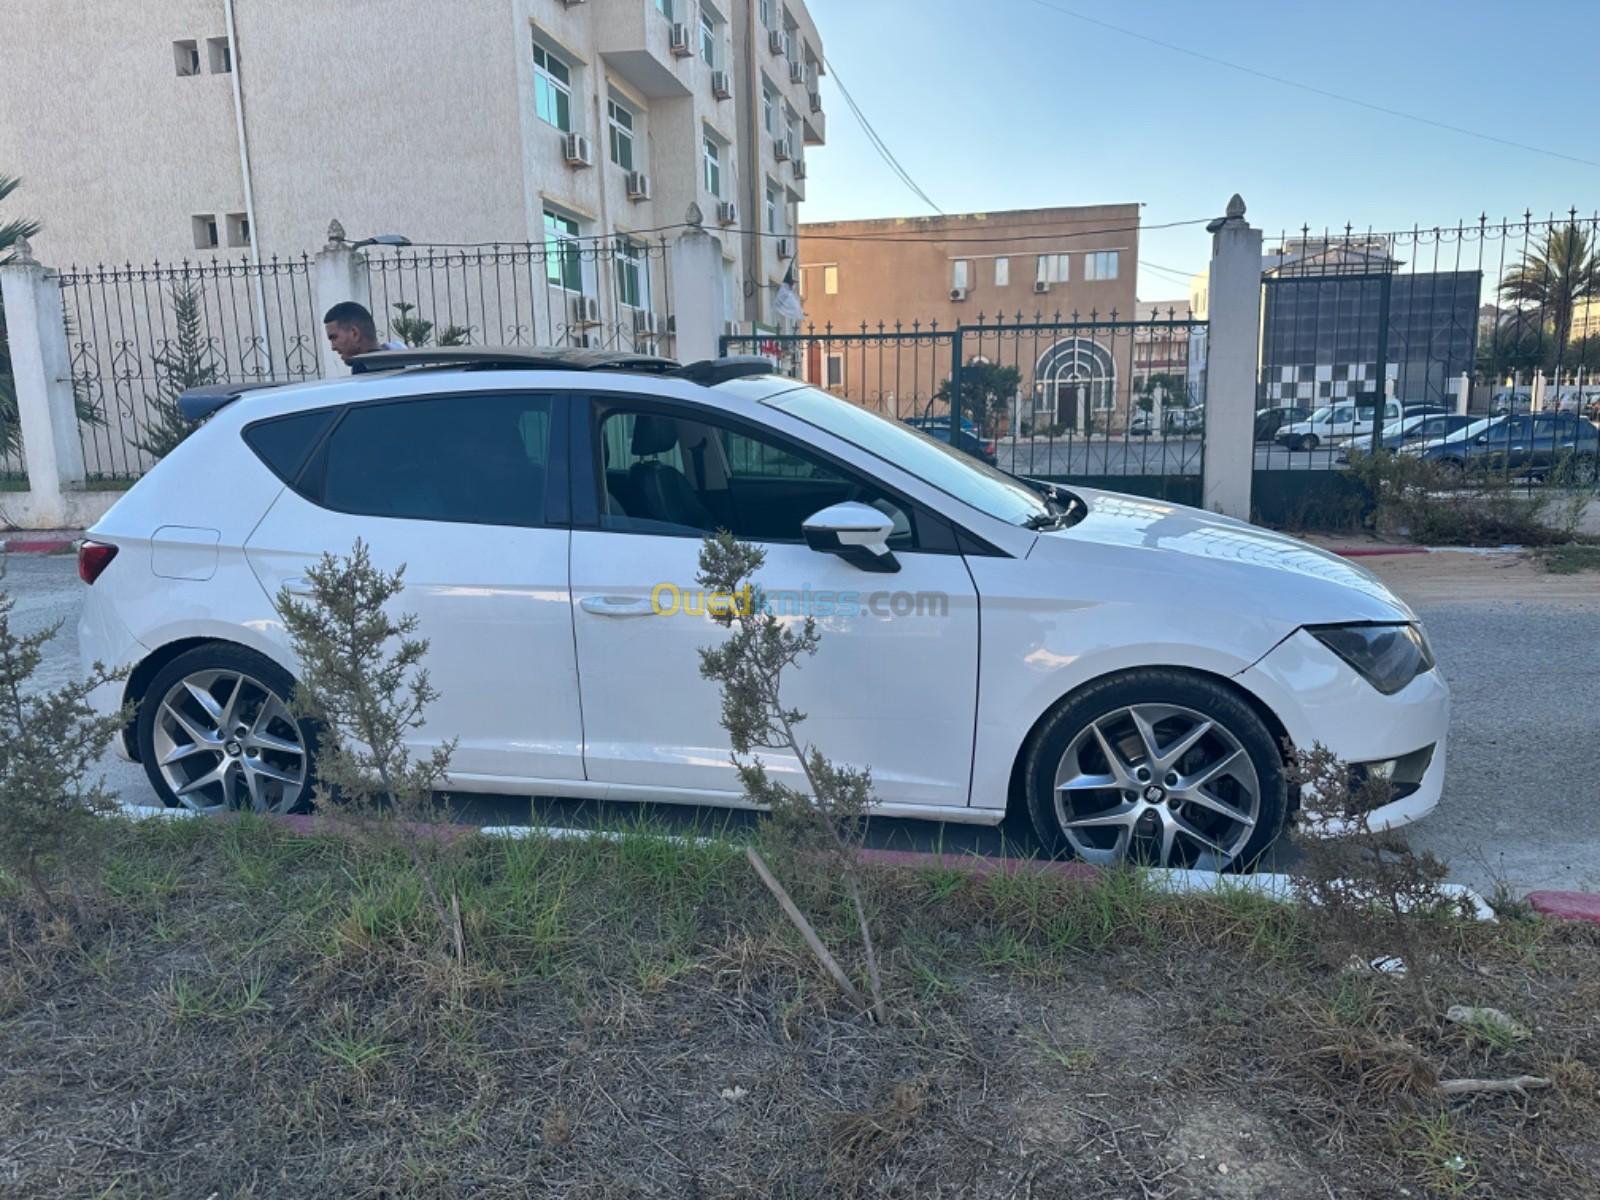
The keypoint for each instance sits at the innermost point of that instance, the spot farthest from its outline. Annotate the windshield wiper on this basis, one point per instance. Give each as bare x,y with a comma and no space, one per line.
1047,520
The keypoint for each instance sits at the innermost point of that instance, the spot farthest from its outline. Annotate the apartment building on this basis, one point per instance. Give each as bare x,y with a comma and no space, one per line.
197,129
951,268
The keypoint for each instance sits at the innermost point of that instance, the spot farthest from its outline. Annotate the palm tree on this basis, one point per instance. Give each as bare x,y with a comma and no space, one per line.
1557,277
11,232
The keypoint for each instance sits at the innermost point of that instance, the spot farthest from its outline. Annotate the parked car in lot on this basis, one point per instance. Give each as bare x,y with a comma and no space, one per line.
1270,420
968,440
1334,423
1532,444
1126,672
1417,429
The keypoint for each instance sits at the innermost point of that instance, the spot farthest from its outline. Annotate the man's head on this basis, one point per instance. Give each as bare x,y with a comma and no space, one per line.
350,330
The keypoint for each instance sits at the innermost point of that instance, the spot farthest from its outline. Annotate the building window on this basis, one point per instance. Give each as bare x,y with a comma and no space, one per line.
186,57
769,109
552,89
220,54
629,262
830,281
205,231
713,161
1053,268
835,371
793,126
664,7
708,38
238,229
621,119
774,208
1101,264
766,14
563,264
958,273
1002,272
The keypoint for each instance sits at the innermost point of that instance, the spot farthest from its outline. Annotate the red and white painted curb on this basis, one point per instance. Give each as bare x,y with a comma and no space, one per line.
41,544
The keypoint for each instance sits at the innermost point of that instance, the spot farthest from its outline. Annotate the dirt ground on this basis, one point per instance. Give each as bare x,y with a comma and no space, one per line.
230,1011
1467,577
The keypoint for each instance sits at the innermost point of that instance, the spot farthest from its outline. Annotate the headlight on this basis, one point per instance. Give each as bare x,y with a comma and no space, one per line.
1386,656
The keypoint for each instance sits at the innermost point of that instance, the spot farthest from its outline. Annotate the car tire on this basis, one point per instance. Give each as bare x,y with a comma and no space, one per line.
1310,442
1125,820
215,732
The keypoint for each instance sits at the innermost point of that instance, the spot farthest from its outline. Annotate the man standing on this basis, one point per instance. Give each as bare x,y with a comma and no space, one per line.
351,332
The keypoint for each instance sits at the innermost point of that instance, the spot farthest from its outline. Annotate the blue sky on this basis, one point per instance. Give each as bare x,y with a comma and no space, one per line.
992,104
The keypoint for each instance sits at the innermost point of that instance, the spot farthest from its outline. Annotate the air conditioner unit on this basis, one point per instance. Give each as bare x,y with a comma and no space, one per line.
785,250
730,329
582,341
646,324
721,85
585,310
1041,286
797,71
781,150
638,185
727,212
958,294
672,324
815,99
577,150
799,168
681,46
778,42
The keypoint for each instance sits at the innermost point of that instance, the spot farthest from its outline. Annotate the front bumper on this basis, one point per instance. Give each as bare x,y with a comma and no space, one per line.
1322,701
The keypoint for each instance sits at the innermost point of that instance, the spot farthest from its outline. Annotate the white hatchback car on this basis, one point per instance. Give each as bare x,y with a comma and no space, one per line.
1129,671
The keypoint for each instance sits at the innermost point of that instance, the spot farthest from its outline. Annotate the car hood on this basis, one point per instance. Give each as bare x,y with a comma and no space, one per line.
1205,560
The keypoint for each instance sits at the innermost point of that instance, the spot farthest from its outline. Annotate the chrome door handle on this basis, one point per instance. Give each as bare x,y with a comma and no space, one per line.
617,606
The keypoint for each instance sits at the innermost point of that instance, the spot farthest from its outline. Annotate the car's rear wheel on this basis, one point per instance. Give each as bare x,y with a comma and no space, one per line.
1160,767
215,732
1310,442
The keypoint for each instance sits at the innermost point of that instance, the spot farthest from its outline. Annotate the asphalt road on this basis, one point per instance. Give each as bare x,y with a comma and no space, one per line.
1139,456
1521,651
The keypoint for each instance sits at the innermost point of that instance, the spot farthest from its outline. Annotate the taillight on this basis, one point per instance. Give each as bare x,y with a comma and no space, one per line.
988,448
93,558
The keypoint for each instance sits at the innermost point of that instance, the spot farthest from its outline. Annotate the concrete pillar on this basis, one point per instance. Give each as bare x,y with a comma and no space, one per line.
1464,393
1232,359
340,274
41,367
1536,394
697,302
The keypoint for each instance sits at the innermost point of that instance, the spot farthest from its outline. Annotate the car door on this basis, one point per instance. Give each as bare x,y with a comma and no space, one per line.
468,493
893,686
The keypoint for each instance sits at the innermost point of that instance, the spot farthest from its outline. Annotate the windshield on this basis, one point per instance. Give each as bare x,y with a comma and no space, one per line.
1473,430
1321,414
936,463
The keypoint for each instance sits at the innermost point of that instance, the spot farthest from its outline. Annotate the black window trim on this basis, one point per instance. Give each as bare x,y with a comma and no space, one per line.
936,534
309,482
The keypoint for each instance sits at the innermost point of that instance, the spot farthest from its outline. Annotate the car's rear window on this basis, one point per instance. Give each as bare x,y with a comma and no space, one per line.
283,443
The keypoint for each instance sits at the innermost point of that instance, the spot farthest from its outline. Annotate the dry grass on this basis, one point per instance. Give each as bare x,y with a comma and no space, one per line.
241,1012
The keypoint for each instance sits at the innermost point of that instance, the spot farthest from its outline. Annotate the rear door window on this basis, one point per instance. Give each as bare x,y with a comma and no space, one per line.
478,458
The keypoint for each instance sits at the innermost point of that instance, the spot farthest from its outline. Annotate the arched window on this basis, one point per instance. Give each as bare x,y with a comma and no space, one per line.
1072,379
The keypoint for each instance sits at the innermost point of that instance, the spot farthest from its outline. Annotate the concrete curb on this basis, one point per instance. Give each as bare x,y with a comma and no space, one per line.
1573,906
37,545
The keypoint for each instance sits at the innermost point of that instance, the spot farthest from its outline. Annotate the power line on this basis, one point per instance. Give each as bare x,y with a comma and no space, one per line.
877,142
1312,88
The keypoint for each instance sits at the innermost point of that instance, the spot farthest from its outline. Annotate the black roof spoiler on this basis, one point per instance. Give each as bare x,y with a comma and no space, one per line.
198,403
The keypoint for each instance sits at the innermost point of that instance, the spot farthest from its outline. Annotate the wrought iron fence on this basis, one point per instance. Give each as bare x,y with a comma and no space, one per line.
1096,399
138,336
609,293
1360,329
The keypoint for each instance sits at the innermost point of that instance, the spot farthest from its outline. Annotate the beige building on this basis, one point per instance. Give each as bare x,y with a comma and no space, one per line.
172,129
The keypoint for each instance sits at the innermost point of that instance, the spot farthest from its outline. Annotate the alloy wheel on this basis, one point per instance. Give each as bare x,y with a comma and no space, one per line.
1158,784
225,740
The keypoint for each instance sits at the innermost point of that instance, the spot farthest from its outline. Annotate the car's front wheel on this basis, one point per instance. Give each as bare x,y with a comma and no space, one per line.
1310,442
215,732
1156,766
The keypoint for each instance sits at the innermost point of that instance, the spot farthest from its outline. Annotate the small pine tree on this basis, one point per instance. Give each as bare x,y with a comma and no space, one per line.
362,680
50,742
185,363
827,822
414,331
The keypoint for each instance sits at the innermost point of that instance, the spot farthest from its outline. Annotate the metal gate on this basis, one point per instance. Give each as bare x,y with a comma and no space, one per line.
1099,402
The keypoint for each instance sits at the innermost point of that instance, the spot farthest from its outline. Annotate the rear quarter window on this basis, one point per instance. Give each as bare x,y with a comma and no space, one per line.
284,443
